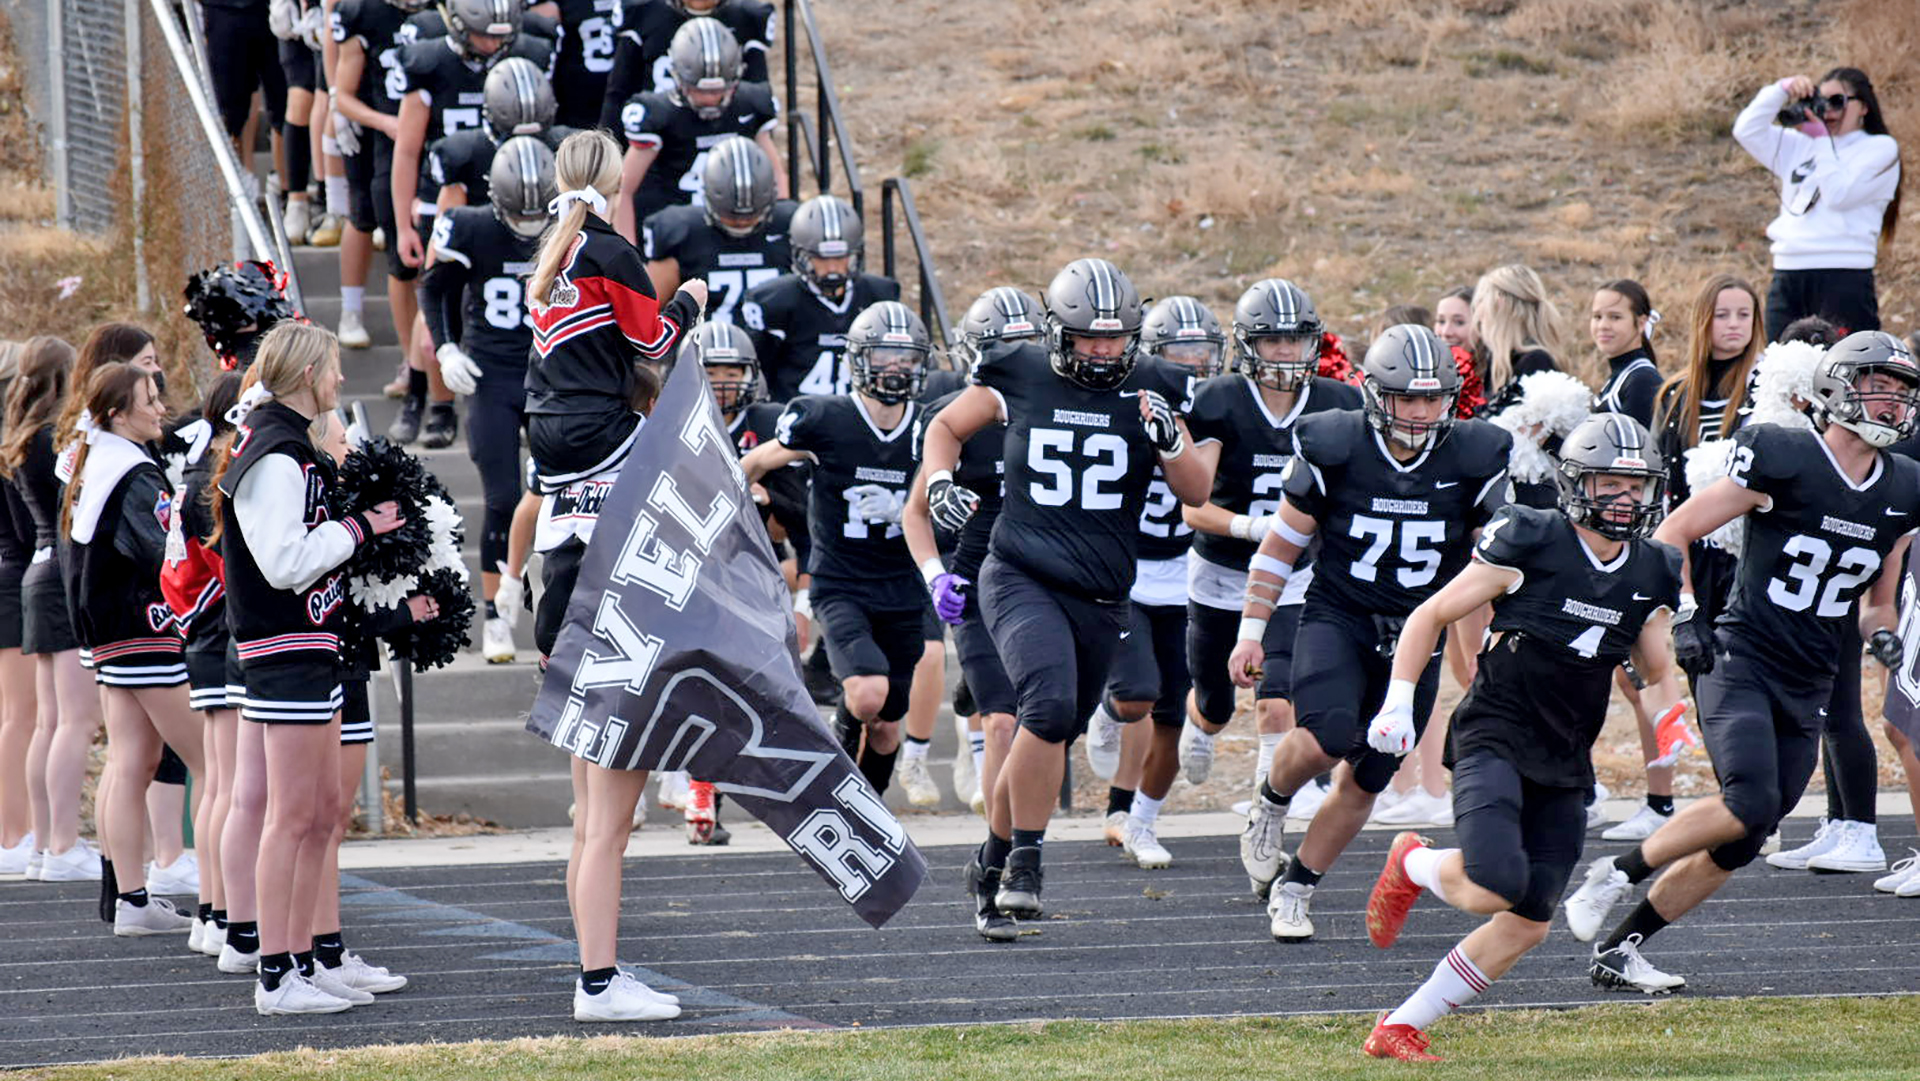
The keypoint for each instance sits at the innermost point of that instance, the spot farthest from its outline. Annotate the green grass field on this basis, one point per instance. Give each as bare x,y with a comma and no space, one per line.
1854,1039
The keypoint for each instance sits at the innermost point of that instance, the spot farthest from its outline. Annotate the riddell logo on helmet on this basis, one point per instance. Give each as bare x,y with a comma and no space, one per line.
891,337
1423,384
1629,463
1018,327
1105,324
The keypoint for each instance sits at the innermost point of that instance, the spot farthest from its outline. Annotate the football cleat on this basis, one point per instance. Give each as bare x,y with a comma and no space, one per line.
1290,912
982,886
1019,893
1623,969
1393,892
1587,909
1144,848
1262,846
1404,1042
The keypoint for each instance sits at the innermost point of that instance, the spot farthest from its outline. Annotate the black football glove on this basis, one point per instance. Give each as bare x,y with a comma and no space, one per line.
949,504
1693,641
1885,647
1161,427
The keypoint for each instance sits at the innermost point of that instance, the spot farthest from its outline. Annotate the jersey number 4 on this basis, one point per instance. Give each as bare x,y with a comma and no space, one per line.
1107,454
1809,572
1419,548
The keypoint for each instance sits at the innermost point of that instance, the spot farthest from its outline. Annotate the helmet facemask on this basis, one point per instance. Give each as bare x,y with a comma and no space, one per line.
1412,434
1201,356
889,374
1095,371
1278,374
1878,404
1604,500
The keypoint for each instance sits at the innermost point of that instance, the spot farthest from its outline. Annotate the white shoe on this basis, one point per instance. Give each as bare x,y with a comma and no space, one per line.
1388,799
1795,859
298,221
1587,909
1858,849
978,801
1911,887
1771,844
653,993
1623,967
156,917
1290,910
1418,808
1103,745
353,331
918,781
1263,846
1196,753
81,863
1898,873
624,999
1306,802
357,973
1637,827
295,995
1596,816
213,939
964,780
197,934
234,963
1114,829
15,860
325,979
35,862
496,641
179,878
1147,851
674,790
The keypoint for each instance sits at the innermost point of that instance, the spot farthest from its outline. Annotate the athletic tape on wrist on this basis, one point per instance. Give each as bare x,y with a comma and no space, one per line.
1252,629
1238,527
931,568
802,603
1261,561
939,474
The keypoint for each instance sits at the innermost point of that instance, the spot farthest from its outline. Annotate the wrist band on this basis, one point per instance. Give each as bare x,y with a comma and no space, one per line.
1261,561
1174,454
1289,534
802,603
1239,527
939,474
931,568
1251,629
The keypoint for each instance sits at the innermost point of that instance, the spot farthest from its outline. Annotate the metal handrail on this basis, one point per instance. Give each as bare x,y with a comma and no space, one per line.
830,128
933,302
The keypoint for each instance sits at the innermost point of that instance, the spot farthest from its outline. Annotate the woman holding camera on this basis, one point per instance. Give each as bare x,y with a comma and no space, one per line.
1839,176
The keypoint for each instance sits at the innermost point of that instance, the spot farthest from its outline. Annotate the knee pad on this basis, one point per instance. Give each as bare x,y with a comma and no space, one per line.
1737,854
899,696
1504,873
1052,720
1754,802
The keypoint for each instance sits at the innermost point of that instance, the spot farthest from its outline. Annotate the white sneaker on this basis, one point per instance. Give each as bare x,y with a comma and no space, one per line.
353,331
1306,802
1858,849
1114,829
1795,859
1290,908
179,878
298,221
213,939
1103,746
325,979
1587,909
918,781
35,862
357,973
1623,967
295,995
1771,844
496,641
1597,817
1898,873
81,863
653,993
623,999
1911,887
1147,851
978,801
156,917
1196,753
197,934
1388,799
964,780
234,963
1263,846
1418,808
675,790
1637,827
15,860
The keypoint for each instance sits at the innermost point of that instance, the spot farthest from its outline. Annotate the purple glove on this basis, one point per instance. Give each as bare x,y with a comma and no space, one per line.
950,597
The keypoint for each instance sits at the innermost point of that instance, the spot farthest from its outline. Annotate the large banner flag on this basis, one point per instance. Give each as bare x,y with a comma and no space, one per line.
679,652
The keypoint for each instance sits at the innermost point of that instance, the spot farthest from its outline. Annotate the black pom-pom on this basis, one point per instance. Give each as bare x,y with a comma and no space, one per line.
374,473
436,642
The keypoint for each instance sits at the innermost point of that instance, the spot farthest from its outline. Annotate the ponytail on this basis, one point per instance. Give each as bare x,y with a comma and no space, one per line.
113,388
1645,318
586,166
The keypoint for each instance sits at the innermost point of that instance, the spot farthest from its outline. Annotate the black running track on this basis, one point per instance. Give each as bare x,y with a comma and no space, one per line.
756,942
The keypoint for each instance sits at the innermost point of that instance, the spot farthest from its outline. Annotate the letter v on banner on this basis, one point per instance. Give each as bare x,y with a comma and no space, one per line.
679,652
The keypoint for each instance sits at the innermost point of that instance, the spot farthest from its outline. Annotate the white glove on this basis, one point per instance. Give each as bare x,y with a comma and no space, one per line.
872,503
346,133
311,28
508,599
457,370
1392,729
283,17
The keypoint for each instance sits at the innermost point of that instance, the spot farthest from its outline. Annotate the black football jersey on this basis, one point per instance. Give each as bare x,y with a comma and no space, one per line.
680,140
383,32
497,260
1391,532
730,264
942,382
1164,532
454,89
1079,464
982,471
645,29
1254,448
799,335
849,451
466,158
1812,549
589,38
786,487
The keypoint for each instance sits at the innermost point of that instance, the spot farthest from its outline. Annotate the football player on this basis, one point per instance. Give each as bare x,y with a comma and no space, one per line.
1394,493
736,238
1574,592
1086,418
517,100
799,320
669,134
645,28
588,41
863,586
483,253
1825,513
1150,670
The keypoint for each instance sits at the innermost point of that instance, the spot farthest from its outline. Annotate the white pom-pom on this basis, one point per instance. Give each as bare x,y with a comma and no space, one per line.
373,594
444,529
1705,464
1551,403
1785,373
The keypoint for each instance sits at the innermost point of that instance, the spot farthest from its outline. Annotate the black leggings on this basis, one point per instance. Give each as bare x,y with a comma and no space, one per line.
1847,758
495,412
1845,298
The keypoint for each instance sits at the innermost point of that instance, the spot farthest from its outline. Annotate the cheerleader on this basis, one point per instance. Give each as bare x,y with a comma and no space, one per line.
285,601
16,668
117,512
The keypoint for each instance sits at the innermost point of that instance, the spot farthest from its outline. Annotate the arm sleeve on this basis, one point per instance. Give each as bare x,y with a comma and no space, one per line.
796,428
269,505
1773,146
652,328
145,509
444,284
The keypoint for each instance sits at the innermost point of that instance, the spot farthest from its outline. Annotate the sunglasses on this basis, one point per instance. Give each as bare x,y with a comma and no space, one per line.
1834,103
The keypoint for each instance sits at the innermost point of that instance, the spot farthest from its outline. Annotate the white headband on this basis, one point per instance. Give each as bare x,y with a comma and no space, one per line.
255,394
86,428
579,195
1653,320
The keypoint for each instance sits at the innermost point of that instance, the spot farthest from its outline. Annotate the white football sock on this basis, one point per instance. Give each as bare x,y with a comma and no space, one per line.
1455,982
977,743
353,298
1268,741
1145,808
915,748
1423,866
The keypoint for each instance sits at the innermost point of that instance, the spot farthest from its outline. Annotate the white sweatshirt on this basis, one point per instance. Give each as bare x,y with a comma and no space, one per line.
1833,191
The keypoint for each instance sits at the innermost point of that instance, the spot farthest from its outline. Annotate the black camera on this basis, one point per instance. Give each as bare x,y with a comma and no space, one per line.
1798,112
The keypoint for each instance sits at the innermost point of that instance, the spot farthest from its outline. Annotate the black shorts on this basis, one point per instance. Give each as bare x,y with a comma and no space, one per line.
298,64
380,191
1763,735
46,624
140,662
244,56
1151,665
1340,679
207,679
359,172
866,641
171,770
559,570
236,677
11,610
1211,635
1057,647
1519,839
932,627
298,690
986,678
356,719
1845,298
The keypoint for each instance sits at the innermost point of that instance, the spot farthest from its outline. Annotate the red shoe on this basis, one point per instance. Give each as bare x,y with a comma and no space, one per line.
1673,735
700,812
1404,1042
1393,893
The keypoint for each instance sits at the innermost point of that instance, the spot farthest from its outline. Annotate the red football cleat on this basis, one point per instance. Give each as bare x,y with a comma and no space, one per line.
1393,892
1404,1042
700,812
1673,735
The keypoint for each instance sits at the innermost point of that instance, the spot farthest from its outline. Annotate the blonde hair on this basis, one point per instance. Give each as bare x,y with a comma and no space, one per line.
281,363
1511,313
586,159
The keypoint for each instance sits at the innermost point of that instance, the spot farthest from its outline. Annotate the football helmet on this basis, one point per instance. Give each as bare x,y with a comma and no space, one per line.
737,185
1611,444
522,184
517,99
1190,330
716,344
1001,314
826,227
887,351
1276,308
468,19
1881,418
1408,361
704,56
1092,298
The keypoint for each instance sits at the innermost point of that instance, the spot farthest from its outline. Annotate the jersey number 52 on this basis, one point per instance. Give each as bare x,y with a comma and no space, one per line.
1105,453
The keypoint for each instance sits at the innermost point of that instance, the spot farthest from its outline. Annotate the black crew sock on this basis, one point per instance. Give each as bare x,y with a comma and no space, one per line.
416,385
442,408
1642,921
109,890
299,153
1267,793
1301,873
275,967
493,612
220,918
244,937
304,961
1660,804
847,728
596,980
1028,838
1119,799
1635,864
329,949
877,767
204,912
993,853
136,898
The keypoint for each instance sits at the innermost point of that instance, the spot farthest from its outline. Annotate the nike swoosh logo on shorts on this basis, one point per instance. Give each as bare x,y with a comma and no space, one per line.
1642,597
1445,483
1891,511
